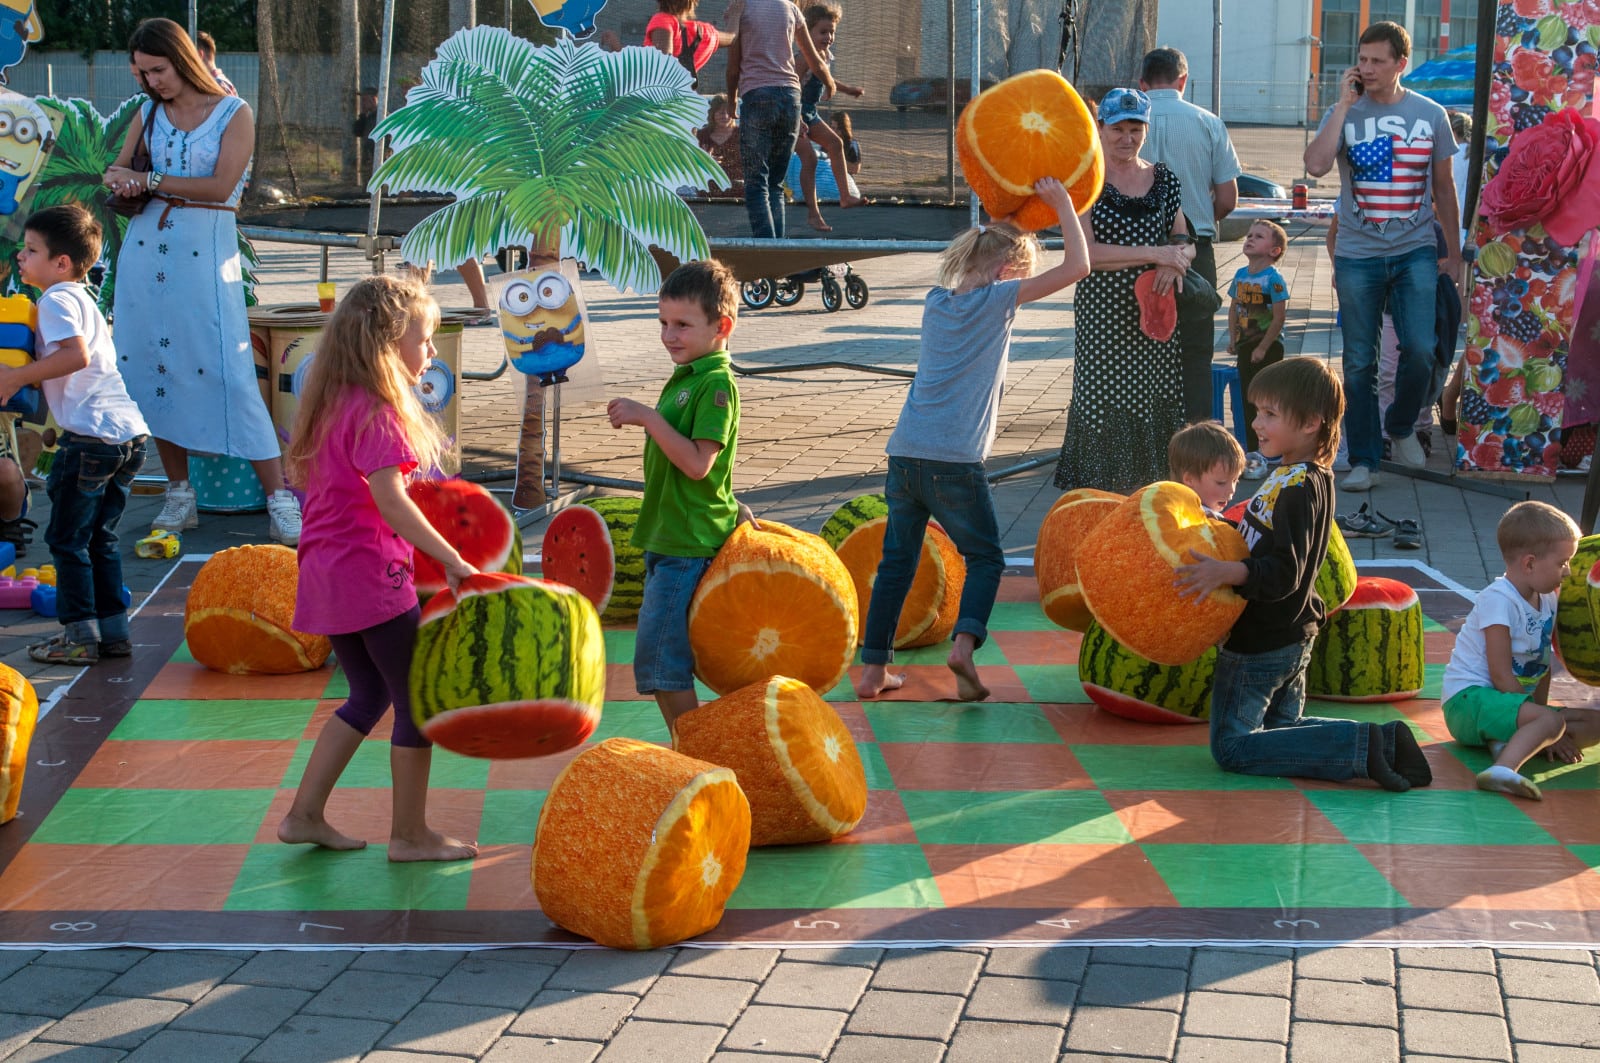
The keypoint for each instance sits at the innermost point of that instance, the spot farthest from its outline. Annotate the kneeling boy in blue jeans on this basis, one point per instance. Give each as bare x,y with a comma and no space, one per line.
103,437
689,509
1259,690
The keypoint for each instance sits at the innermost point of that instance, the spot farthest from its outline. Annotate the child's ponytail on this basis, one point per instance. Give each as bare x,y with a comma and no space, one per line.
978,255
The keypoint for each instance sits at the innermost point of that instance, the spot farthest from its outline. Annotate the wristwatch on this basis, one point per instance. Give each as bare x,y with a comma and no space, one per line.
152,181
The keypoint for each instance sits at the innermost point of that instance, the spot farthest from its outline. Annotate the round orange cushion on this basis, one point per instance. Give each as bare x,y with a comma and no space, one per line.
1055,562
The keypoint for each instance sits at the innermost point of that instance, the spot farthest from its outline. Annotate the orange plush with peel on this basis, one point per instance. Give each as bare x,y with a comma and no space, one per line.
1029,126
794,758
639,847
933,604
1062,534
775,601
1127,571
240,614
19,715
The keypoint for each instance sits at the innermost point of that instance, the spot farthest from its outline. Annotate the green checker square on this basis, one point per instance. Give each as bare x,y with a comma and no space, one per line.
815,877
941,721
1584,775
619,645
1430,624
369,769
1165,768
1432,681
1052,684
1360,711
631,719
1427,817
1033,817
338,686
1589,854
181,655
299,878
878,775
1283,877
989,653
205,721
510,817
1019,616
843,690
89,816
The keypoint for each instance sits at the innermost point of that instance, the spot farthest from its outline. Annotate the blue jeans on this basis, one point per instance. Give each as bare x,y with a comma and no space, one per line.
1405,285
1256,726
88,488
769,125
957,496
662,658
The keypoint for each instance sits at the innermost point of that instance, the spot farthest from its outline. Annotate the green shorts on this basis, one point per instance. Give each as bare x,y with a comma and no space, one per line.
1477,716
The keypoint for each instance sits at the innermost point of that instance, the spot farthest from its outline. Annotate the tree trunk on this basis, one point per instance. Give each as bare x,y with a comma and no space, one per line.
529,493
355,150
269,86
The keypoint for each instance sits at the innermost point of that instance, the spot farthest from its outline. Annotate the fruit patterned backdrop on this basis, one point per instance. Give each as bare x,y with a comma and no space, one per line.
1526,381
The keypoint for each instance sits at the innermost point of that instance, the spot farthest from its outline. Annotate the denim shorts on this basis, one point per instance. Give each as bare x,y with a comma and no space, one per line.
662,659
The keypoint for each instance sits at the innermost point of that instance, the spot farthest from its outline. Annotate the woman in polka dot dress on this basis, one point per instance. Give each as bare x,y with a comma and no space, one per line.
1127,393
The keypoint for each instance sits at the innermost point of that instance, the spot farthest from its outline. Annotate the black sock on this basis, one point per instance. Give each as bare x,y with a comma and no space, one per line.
1378,768
1409,760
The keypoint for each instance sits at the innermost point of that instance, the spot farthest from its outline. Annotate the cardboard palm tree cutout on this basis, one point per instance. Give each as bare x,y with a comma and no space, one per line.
570,151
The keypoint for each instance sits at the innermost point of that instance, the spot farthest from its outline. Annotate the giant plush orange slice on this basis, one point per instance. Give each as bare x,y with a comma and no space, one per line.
932,605
775,601
240,613
1062,534
639,847
1127,565
1029,126
794,758
19,714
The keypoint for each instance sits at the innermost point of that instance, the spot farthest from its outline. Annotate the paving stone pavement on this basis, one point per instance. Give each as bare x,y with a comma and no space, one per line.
809,440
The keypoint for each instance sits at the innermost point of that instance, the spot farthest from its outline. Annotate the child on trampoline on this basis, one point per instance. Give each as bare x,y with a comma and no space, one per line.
947,428
822,21
1258,694
359,433
1496,689
1206,459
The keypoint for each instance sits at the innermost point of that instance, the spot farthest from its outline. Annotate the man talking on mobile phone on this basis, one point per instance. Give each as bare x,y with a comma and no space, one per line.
1394,149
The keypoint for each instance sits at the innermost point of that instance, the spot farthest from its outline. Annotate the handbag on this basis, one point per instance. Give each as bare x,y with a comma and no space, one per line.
130,206
1198,298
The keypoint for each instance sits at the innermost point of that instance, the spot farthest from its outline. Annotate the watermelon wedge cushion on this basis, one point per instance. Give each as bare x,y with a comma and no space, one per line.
470,520
1372,649
1125,684
1577,641
589,547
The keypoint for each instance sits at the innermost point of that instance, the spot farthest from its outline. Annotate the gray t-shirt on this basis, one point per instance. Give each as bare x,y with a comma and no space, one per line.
766,45
1387,153
954,401
1194,144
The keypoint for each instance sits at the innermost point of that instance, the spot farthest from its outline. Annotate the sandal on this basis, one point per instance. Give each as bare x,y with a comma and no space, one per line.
57,650
1407,533
1364,523
1255,467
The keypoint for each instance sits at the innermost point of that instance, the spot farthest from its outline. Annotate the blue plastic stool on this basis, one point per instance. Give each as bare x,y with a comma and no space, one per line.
1226,377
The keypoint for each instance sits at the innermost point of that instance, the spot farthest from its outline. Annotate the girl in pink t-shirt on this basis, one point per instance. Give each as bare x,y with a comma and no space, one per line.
359,433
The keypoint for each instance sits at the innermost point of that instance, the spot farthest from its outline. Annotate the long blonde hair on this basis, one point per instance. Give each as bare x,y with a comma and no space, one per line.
980,254
361,349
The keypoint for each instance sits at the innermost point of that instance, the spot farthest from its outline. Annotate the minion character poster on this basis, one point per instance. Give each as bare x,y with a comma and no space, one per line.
568,151
19,27
26,138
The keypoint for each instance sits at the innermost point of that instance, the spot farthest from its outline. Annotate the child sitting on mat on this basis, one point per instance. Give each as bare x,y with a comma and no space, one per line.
947,428
359,432
1496,690
1206,459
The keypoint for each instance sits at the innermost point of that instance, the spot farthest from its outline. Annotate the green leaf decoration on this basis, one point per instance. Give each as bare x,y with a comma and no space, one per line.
569,149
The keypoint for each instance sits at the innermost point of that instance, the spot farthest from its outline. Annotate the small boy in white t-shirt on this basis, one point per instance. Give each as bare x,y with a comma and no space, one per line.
1496,690
103,437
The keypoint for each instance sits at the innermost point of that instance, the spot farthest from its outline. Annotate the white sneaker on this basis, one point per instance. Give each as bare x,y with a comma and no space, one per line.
1255,467
1408,451
283,512
1361,478
1341,460
179,511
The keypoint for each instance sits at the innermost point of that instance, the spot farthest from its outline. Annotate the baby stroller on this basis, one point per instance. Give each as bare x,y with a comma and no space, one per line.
786,291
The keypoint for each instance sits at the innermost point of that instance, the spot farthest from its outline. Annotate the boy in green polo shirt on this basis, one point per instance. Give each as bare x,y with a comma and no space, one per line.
689,508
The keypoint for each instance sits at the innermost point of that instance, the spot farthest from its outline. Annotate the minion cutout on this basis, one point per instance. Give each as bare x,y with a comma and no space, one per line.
19,27
26,137
574,16
541,318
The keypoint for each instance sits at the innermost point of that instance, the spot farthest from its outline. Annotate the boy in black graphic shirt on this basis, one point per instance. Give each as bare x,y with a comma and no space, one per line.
1259,690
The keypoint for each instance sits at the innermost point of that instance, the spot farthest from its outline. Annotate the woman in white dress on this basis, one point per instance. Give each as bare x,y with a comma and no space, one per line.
182,337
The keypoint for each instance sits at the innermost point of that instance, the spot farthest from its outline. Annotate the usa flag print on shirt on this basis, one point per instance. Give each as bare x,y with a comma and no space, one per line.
1389,169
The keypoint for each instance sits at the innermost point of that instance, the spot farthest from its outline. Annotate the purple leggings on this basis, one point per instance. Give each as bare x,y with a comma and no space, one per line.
377,664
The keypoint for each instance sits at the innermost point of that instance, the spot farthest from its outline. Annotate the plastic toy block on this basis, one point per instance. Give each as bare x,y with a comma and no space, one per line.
19,310
17,593
43,599
28,401
160,543
16,337
47,575
12,358
8,557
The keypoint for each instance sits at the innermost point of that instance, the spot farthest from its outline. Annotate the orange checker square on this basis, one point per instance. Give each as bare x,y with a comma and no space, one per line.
1087,725
1057,646
531,773
934,682
1047,876
365,813
983,766
1567,814
1436,646
619,684
176,765
1524,878
1223,817
885,822
1017,587
501,881
188,681
115,878
1427,714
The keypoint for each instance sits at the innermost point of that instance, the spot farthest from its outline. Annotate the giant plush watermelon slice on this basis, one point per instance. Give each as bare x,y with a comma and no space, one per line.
1372,649
1125,684
589,546
1336,579
1158,311
506,666
1576,638
470,520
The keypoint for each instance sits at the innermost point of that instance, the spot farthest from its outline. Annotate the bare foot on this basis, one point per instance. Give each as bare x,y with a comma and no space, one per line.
875,679
816,222
431,846
968,686
846,204
297,830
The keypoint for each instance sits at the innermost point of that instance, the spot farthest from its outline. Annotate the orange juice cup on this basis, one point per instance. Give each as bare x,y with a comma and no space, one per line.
325,296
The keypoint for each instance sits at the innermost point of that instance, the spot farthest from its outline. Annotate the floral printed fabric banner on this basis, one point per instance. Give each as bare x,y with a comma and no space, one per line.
1520,312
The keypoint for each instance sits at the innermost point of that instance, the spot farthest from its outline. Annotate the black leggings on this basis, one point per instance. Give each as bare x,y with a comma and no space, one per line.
377,664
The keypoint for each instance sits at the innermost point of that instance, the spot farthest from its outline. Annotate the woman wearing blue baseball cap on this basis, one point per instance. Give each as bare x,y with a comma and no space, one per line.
1127,391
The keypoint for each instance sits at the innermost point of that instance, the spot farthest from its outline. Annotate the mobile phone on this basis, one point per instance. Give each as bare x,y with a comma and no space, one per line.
1359,87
